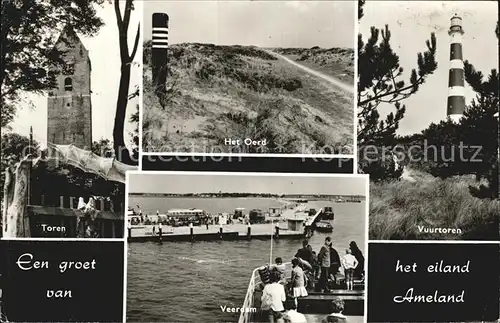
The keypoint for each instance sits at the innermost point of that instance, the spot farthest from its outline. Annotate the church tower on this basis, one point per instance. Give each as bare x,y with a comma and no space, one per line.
69,107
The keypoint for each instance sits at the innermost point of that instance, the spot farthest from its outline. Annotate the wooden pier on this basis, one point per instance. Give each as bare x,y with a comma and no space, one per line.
230,232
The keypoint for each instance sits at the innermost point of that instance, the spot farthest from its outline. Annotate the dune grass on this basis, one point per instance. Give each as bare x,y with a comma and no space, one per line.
397,209
219,92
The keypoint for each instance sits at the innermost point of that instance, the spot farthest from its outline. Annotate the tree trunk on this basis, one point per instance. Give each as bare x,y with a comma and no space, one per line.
8,193
122,154
16,220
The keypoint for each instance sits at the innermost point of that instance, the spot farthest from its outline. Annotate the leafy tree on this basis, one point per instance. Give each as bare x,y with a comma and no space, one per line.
121,151
27,37
103,148
134,118
361,3
14,148
379,82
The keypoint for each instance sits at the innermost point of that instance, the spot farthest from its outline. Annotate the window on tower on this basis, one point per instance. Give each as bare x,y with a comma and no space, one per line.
68,84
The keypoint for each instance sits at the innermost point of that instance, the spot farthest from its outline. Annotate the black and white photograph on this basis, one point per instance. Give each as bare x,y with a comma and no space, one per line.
428,118
71,74
246,247
249,77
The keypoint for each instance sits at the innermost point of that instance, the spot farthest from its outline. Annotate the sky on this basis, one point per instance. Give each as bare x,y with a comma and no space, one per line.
256,183
261,23
105,78
411,23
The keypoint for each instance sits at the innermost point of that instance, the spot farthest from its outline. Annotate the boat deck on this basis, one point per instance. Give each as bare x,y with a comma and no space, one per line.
346,295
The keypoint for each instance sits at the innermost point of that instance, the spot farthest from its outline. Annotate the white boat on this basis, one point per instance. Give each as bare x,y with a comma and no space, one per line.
323,226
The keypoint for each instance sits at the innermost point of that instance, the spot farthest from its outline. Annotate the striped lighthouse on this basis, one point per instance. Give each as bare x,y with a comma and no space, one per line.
159,55
456,89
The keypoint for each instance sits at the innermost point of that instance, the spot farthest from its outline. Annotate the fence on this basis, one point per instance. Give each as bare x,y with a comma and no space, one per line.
58,216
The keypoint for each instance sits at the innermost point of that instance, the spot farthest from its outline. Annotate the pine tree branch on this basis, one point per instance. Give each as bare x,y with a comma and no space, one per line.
397,91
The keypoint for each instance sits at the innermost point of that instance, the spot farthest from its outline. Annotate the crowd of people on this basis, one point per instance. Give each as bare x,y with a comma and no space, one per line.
320,272
143,219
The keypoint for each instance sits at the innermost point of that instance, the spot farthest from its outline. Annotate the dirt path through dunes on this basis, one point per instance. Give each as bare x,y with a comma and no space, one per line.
341,85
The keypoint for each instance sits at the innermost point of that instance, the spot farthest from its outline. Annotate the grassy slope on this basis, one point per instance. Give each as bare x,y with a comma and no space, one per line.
223,92
336,62
397,208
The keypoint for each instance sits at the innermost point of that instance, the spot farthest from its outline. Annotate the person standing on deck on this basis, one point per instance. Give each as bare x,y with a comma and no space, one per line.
349,263
305,252
298,281
359,271
324,260
334,263
280,269
315,265
273,296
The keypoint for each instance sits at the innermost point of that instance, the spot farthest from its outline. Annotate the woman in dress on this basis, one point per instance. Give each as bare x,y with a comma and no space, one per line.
298,280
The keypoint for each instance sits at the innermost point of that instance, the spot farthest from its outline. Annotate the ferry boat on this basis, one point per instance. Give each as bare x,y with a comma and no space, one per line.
323,226
328,213
315,306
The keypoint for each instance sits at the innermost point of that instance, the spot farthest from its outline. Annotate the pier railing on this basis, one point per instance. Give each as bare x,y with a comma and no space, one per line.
102,203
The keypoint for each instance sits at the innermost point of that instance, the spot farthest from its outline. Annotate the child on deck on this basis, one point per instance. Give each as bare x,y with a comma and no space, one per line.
272,299
280,269
349,262
298,280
